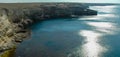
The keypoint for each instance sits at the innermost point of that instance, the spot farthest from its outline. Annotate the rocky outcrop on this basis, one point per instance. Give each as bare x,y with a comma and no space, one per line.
10,32
16,18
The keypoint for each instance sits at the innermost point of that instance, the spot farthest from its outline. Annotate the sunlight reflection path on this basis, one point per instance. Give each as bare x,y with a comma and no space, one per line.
92,47
105,9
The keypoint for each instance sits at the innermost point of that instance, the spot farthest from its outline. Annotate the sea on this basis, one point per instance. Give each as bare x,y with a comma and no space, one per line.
86,36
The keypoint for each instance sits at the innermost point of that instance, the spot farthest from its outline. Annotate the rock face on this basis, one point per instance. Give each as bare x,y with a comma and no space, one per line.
16,18
10,30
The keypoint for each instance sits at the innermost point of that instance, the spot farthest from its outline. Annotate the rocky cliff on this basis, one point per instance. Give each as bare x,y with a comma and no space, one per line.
15,19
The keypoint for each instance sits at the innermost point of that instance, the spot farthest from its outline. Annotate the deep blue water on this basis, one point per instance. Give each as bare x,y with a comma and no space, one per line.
88,36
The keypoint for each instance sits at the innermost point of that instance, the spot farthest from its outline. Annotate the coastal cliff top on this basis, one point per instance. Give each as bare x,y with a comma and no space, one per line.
24,5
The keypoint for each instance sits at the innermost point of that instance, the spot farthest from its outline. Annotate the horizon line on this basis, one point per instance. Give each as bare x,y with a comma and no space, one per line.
60,2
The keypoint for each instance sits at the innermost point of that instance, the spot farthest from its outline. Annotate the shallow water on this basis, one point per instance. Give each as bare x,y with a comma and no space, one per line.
88,36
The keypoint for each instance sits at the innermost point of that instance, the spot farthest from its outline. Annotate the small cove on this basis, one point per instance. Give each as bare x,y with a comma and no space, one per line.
89,36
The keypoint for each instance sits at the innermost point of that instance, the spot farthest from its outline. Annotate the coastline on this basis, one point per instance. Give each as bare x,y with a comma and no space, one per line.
15,19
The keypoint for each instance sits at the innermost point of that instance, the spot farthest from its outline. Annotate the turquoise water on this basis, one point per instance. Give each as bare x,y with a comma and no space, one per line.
88,36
